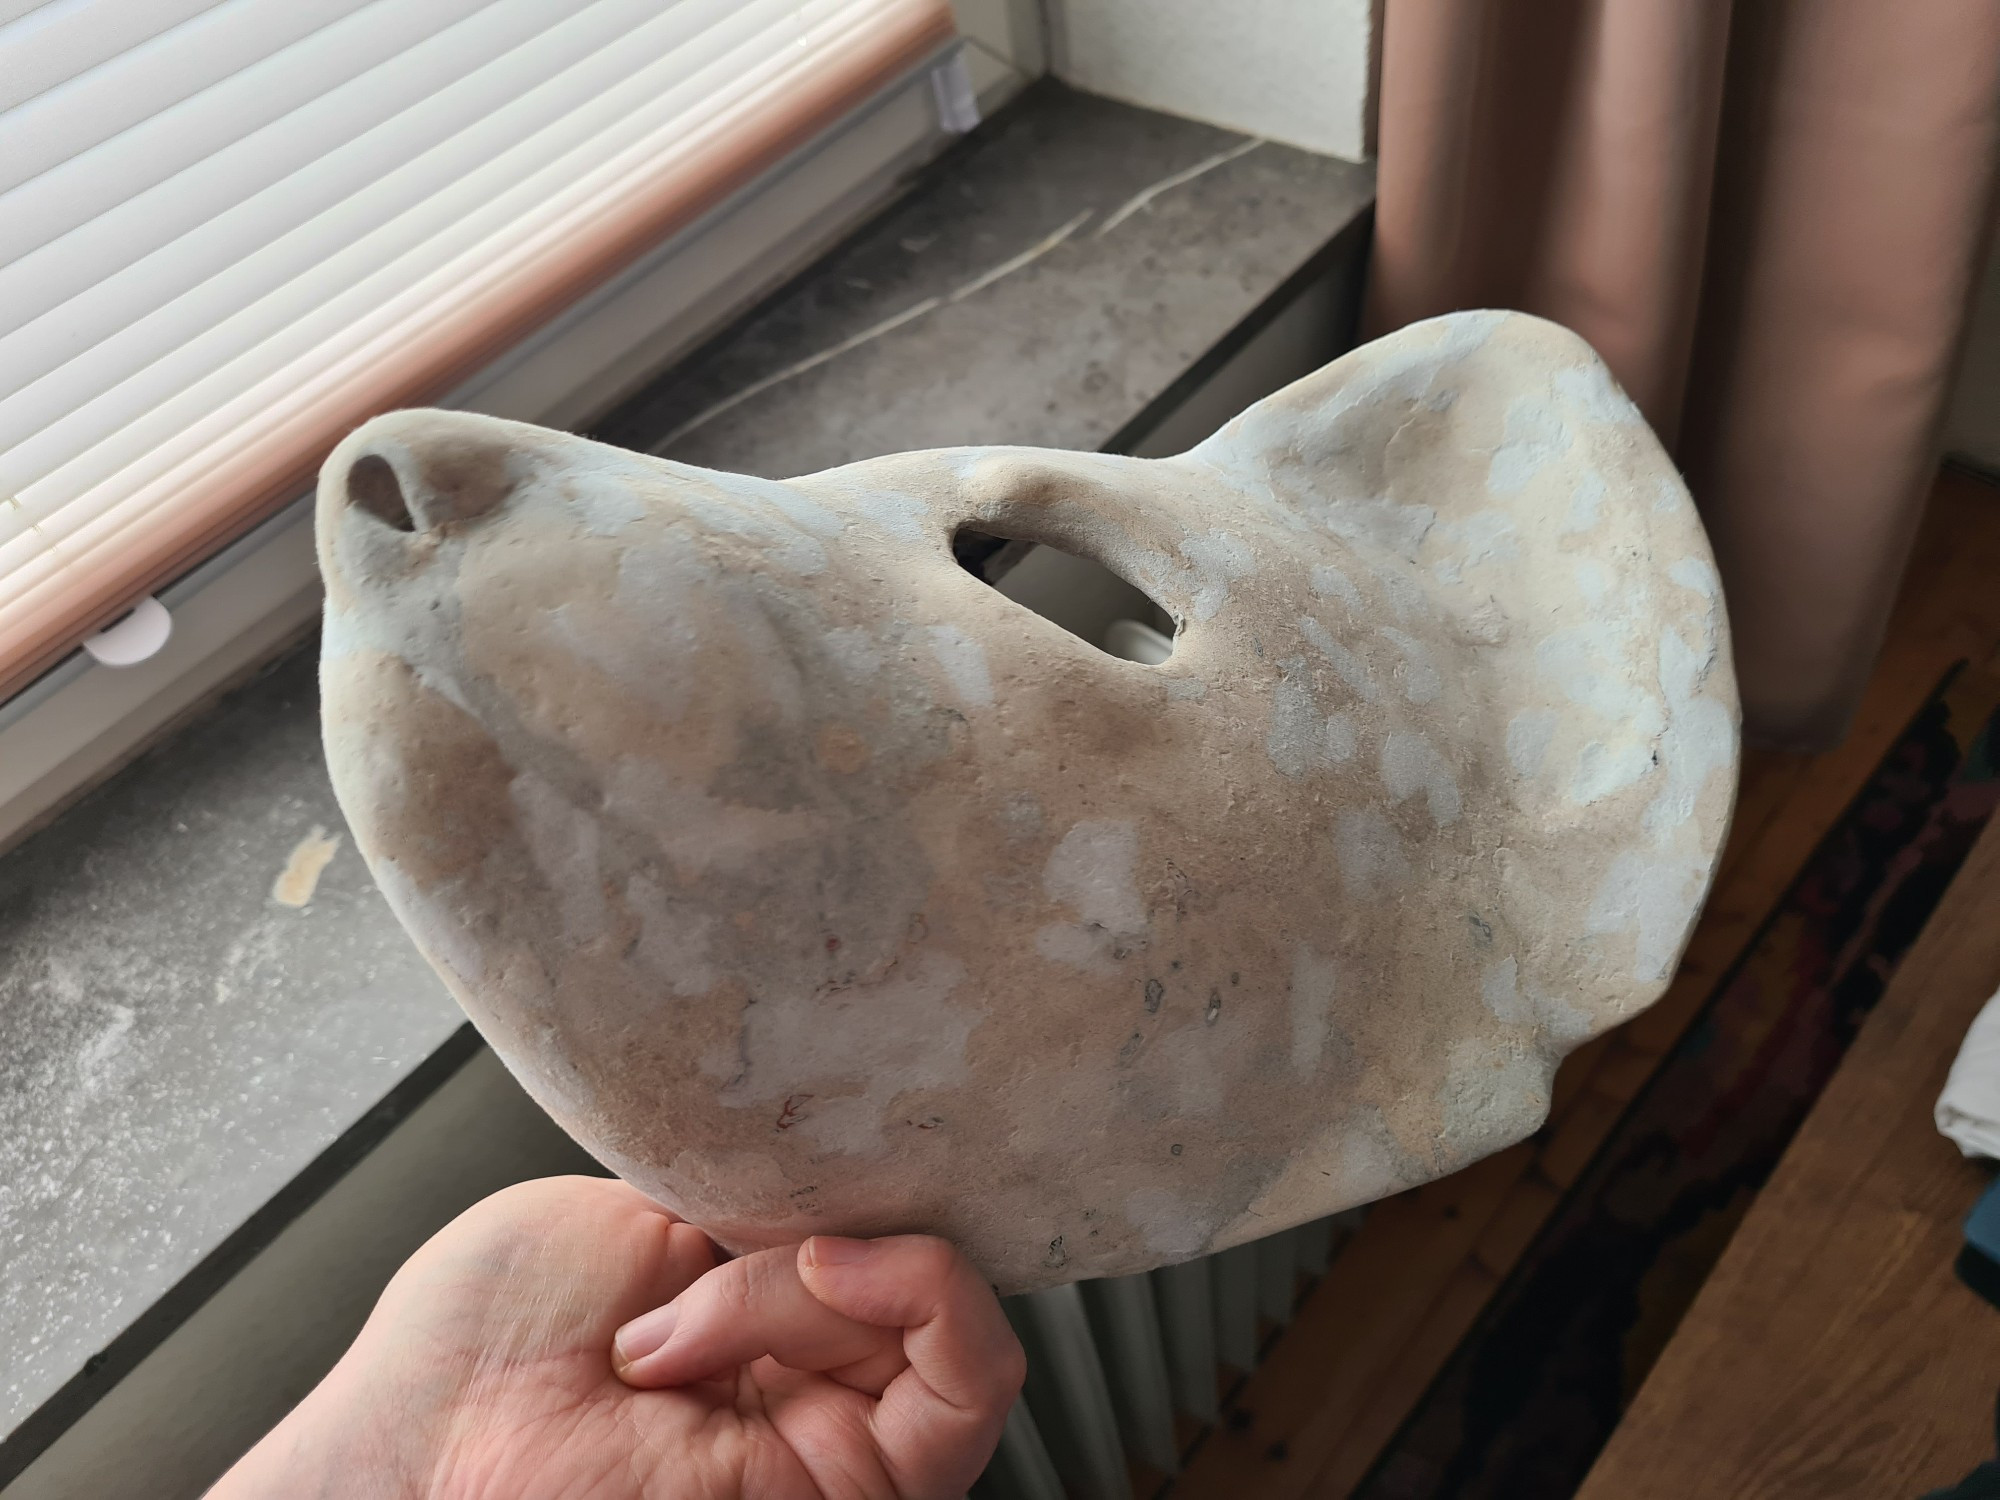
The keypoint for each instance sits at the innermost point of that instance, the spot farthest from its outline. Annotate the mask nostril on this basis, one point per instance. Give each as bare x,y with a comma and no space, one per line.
372,486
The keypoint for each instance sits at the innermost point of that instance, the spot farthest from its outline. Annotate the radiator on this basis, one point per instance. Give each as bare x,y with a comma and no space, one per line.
1112,1362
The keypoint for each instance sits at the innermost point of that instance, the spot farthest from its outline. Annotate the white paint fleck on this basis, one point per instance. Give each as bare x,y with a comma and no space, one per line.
1528,736
1407,598
1370,852
1653,898
1218,559
1291,741
903,517
1485,536
1022,816
849,1126
673,937
1564,1023
699,831
802,511
1590,663
1166,1223
1187,1056
1592,581
1420,679
854,651
1499,987
1697,574
900,1032
605,504
1411,764
964,663
1489,536
1370,1165
563,841
1603,769
1349,667
737,506
1491,1094
1699,739
1077,947
1341,737
1330,583
1585,502
1300,739
1591,387
1092,872
1533,438
1382,523
1485,624
1682,668
1314,981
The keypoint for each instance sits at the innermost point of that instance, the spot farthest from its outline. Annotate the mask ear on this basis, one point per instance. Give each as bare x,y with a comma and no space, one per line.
1503,498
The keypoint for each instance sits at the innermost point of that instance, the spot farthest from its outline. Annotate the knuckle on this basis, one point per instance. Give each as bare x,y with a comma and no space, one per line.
688,1245
933,1259
1012,1367
749,1286
766,1275
730,1293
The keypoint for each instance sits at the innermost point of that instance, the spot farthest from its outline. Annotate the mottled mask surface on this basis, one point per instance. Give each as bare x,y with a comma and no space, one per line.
816,885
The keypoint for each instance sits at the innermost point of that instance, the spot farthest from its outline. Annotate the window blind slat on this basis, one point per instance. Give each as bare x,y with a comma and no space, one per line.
112,511
149,477
309,217
454,203
61,40
72,498
13,10
240,173
224,44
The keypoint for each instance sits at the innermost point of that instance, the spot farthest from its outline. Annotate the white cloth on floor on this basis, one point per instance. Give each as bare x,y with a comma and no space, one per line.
1968,1111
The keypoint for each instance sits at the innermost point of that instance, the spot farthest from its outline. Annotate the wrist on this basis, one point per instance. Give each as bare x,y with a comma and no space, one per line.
330,1445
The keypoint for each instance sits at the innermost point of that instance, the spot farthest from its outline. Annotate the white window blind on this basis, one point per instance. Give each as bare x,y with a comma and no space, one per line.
230,231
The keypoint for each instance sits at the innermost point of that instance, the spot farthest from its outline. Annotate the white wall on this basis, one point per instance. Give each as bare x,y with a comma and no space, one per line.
1006,44
1297,71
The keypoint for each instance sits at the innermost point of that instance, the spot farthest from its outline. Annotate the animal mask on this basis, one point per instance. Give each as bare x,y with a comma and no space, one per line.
817,886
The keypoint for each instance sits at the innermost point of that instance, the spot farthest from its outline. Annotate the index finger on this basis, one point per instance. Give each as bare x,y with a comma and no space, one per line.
747,1309
938,1421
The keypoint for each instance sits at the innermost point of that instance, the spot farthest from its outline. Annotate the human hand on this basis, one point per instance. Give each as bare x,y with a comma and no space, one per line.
837,1368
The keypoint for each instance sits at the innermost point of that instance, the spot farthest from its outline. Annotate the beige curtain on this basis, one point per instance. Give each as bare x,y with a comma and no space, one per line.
1767,217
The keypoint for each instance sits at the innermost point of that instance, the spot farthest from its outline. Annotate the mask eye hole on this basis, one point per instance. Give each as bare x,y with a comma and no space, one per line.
1078,593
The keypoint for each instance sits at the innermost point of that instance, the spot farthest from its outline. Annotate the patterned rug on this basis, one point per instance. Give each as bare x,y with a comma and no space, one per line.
1531,1396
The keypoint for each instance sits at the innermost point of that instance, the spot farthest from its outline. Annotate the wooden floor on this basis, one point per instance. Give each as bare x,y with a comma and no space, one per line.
1831,1352
1376,1330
